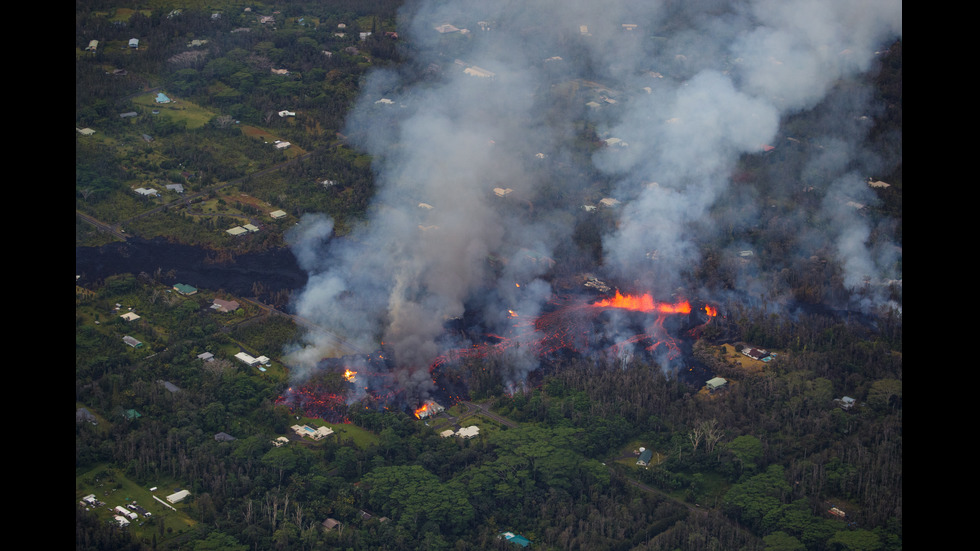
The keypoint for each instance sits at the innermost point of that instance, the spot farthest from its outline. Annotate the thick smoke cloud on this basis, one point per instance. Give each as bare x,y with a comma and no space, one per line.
685,88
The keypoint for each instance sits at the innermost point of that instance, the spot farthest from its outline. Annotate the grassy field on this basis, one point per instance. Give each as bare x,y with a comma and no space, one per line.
193,115
115,489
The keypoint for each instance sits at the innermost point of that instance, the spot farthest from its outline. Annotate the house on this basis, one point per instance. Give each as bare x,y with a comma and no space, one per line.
515,538
478,72
184,289
178,188
172,388
447,433
468,432
285,113
85,131
130,316
447,28
609,202
277,214
251,227
224,437
756,353
92,46
121,520
162,98
846,402
429,408
225,305
82,415
206,357
645,456
132,342
147,192
282,145
247,358
280,71
237,230
318,433
715,384
128,115
330,524
178,496
280,442
125,512
134,43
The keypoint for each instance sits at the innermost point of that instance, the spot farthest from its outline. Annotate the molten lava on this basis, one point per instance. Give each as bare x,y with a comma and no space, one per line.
711,311
350,375
644,303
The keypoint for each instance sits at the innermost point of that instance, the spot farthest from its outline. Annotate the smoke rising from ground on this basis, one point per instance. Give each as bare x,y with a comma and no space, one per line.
684,89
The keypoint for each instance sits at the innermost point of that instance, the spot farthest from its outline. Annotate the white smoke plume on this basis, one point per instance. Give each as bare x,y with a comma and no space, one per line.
687,87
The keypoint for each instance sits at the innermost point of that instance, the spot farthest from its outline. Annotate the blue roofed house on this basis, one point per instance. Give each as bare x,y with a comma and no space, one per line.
515,538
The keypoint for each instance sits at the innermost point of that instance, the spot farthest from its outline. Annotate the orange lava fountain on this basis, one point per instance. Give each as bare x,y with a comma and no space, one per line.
644,303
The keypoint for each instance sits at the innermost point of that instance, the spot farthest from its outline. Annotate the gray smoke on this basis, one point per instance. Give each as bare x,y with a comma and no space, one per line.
494,91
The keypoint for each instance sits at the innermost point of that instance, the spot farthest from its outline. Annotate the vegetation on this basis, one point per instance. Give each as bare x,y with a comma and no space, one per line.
757,466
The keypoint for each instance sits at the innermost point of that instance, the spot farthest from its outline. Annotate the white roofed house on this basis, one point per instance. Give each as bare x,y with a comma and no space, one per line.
715,384
177,497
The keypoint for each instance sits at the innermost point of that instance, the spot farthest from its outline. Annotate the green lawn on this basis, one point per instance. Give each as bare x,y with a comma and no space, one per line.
178,109
112,487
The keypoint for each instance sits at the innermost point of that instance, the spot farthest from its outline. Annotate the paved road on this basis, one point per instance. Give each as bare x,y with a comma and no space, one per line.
485,410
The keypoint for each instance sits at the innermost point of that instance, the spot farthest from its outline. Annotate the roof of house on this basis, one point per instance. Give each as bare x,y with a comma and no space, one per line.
185,288
716,382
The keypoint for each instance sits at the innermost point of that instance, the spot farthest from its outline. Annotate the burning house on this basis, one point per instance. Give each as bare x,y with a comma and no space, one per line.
429,409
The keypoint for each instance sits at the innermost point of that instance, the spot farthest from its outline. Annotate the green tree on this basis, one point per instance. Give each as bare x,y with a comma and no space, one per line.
855,540
219,541
781,541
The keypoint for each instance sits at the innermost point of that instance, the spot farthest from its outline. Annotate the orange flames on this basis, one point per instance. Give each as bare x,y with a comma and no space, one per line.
421,410
350,375
712,311
644,303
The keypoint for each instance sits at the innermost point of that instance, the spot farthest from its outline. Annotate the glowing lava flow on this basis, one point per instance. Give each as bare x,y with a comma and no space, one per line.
571,324
644,303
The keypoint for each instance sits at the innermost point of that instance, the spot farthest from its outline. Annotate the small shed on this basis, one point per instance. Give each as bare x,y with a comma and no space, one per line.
330,524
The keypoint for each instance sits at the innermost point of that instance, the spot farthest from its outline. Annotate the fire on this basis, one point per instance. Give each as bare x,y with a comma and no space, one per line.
644,303
350,375
421,410
712,311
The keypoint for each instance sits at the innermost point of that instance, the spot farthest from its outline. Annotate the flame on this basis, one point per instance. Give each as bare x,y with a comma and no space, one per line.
350,375
712,311
421,410
511,314
644,303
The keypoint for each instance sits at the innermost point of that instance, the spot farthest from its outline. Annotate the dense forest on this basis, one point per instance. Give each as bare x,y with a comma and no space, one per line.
755,467
772,462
